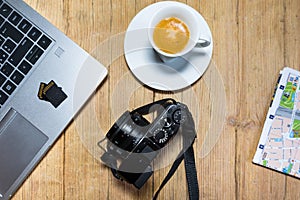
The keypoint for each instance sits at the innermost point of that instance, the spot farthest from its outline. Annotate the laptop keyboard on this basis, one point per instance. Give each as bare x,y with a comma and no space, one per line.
21,46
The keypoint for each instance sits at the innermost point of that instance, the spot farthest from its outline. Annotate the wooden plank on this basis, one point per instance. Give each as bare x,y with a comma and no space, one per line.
85,177
261,56
216,147
126,92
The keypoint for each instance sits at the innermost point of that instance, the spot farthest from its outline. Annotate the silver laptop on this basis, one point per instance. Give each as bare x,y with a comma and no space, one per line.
45,79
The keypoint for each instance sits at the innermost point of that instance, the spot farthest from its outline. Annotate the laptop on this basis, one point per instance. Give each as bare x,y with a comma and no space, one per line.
45,78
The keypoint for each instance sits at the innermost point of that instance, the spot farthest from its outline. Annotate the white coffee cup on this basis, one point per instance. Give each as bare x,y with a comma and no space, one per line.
189,17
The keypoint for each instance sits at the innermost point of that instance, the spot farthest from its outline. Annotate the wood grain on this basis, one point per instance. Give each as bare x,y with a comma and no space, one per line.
253,40
262,61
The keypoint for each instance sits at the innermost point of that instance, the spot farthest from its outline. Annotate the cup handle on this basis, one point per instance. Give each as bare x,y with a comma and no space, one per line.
202,43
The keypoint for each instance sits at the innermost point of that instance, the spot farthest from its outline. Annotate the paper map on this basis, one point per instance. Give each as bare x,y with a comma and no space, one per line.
279,145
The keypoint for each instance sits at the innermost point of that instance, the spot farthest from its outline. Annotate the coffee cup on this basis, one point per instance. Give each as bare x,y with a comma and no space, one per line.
174,31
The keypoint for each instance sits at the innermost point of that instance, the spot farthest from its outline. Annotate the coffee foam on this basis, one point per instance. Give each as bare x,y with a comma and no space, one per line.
171,35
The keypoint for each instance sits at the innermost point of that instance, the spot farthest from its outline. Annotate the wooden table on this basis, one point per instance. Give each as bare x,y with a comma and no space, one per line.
253,40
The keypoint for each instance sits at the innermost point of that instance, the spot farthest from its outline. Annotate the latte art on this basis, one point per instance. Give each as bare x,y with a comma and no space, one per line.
171,35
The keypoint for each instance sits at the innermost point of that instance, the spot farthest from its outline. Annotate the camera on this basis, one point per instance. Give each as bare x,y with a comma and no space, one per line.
132,143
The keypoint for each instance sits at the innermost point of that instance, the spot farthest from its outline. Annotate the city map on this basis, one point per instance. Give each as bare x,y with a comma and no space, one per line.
279,145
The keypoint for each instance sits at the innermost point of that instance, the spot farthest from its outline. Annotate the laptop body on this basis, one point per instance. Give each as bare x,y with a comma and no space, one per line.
48,80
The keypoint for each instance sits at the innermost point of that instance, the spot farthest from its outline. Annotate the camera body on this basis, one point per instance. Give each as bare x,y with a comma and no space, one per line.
133,142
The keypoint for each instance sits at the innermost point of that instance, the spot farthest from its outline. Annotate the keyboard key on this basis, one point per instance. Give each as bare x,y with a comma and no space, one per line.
7,30
2,79
15,18
17,77
24,67
3,56
9,87
34,34
3,97
24,26
1,40
34,54
9,46
44,42
7,69
5,10
1,20
20,51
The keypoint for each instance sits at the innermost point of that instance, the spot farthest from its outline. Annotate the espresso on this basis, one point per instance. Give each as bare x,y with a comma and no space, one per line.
171,35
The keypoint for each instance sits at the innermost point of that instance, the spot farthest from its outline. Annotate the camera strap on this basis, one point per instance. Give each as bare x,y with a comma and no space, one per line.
190,171
187,154
144,110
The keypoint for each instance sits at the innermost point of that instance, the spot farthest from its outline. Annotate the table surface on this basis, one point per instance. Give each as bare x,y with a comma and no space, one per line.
253,40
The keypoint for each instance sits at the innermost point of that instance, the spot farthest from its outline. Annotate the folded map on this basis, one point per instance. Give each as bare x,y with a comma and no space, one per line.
279,144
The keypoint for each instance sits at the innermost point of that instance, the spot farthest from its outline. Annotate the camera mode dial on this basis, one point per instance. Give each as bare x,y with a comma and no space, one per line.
161,136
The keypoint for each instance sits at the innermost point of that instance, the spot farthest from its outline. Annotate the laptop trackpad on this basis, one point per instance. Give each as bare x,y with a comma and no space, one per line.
20,141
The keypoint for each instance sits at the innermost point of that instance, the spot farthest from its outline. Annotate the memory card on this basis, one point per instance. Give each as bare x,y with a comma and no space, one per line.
51,93
41,89
55,95
48,86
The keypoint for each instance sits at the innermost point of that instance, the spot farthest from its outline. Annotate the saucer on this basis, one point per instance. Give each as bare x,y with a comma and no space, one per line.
146,65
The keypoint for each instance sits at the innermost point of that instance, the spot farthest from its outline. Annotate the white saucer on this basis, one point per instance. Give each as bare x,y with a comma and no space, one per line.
147,66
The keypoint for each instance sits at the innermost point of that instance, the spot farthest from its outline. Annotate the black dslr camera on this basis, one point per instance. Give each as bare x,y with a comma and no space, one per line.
132,143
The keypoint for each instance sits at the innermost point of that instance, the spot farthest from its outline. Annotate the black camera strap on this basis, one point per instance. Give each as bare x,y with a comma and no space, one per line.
144,110
187,154
190,171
